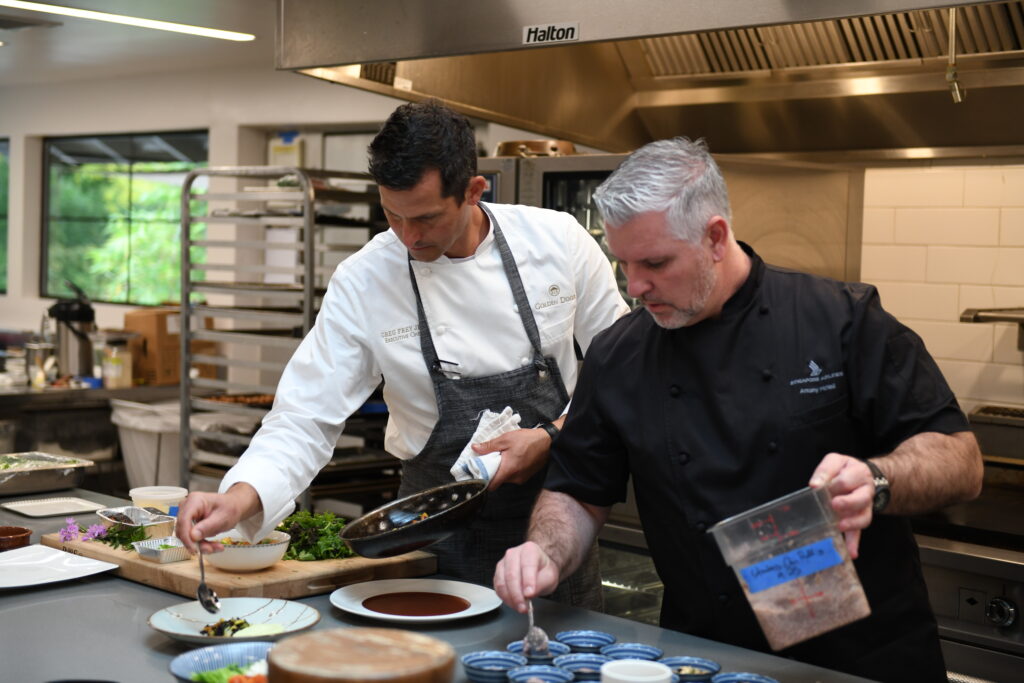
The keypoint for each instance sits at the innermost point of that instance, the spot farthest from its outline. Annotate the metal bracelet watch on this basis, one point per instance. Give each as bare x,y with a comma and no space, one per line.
551,429
882,491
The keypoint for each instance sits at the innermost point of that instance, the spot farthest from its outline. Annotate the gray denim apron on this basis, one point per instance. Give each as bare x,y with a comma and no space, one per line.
535,391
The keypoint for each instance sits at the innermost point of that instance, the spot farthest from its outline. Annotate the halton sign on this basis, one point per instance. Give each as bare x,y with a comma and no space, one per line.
543,34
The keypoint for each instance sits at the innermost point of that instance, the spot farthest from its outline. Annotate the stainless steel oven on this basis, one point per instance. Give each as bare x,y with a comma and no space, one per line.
973,559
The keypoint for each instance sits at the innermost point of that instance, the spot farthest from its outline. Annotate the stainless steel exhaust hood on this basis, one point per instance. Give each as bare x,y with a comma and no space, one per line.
771,77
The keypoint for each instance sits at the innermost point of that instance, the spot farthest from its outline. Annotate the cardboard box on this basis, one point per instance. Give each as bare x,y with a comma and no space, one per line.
156,352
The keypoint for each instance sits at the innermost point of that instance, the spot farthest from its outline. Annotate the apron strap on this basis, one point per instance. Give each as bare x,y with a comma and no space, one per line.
518,293
426,341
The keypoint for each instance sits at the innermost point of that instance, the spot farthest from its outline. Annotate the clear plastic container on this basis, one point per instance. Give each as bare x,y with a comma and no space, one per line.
117,365
794,567
165,498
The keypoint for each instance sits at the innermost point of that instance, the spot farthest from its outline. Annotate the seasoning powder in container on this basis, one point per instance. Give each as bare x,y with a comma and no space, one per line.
794,567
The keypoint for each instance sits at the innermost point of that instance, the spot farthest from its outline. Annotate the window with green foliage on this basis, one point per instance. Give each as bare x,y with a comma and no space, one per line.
4,173
112,217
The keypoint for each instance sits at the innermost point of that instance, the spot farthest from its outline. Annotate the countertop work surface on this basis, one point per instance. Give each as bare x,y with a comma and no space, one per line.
96,628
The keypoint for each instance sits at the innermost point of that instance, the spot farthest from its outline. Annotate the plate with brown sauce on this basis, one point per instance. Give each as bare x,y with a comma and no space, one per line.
415,600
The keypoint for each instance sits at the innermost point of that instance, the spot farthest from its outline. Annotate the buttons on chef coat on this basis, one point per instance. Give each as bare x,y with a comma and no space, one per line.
425,270
763,310
767,374
515,308
683,457
723,598
524,360
441,329
773,447
701,526
674,391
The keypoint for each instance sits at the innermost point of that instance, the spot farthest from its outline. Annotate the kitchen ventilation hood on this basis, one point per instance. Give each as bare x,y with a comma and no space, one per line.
772,77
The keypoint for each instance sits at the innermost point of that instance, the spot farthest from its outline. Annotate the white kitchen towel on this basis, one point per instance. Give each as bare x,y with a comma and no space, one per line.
491,425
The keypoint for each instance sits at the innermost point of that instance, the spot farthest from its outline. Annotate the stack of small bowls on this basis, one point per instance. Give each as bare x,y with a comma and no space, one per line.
692,669
584,666
632,651
490,666
585,640
538,672
555,648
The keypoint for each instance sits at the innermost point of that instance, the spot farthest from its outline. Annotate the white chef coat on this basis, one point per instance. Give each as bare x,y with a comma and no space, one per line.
367,329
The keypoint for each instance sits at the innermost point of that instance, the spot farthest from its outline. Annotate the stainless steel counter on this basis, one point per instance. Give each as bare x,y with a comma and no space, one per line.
96,628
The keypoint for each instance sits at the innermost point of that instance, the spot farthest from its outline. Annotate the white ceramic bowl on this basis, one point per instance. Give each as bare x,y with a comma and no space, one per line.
248,558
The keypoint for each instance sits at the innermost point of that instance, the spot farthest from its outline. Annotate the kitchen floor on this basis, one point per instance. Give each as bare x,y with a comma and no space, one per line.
632,589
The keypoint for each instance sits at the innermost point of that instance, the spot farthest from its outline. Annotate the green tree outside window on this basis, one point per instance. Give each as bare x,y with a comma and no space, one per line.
113,223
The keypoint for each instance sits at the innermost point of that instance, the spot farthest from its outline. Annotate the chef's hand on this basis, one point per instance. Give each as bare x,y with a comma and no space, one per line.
524,573
205,514
523,453
852,487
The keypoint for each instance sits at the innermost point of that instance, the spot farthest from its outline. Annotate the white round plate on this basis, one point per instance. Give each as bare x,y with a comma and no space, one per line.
185,621
350,598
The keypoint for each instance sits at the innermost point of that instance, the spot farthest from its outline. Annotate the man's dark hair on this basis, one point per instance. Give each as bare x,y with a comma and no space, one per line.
420,136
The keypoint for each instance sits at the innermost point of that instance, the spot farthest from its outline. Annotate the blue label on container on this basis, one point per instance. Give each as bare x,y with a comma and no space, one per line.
792,565
173,511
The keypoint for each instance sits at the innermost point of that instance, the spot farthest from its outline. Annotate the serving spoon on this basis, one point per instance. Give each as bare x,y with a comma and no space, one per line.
206,595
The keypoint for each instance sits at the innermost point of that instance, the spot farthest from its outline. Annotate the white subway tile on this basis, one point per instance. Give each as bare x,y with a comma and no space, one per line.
1011,228
1005,348
902,264
966,265
972,227
976,296
983,187
878,226
914,187
1013,186
955,341
1008,297
915,301
1009,268
985,382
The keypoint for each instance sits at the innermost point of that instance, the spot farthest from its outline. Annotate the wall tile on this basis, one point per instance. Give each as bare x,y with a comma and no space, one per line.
1013,186
976,296
1009,269
913,301
1011,227
983,187
878,226
972,227
956,341
901,264
985,382
1005,344
914,187
967,265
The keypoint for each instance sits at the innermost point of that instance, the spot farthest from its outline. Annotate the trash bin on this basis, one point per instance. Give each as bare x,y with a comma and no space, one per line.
150,441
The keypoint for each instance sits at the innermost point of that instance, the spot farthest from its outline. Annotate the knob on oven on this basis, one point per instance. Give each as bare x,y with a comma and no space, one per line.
1001,612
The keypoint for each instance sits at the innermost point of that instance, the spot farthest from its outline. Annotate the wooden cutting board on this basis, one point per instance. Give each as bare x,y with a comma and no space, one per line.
286,579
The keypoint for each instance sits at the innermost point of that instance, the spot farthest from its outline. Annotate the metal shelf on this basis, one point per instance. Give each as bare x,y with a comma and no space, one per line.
270,318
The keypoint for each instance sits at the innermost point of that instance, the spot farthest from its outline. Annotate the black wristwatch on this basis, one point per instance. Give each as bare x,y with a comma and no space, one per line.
551,429
882,492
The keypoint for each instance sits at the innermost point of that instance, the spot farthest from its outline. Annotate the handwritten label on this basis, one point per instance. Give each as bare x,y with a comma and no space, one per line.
803,561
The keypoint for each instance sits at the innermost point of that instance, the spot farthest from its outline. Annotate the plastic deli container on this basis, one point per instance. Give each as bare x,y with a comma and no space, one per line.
165,498
794,567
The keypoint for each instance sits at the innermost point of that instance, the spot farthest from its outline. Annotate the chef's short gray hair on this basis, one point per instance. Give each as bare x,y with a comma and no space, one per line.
677,176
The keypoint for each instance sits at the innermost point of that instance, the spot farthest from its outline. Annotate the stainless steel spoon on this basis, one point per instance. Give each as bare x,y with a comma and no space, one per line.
536,641
206,595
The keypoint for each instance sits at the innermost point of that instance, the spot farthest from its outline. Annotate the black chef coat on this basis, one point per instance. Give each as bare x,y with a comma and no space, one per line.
714,419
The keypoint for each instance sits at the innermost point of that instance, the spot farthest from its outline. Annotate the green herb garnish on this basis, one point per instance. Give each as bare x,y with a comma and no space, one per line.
166,546
314,537
122,536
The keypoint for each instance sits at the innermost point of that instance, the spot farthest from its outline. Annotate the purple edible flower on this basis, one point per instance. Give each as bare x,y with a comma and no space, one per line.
94,531
70,532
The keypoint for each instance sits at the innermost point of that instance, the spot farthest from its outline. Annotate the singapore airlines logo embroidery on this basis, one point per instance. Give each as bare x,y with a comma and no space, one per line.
817,380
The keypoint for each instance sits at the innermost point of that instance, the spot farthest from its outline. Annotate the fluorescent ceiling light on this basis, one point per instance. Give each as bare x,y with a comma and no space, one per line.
130,21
